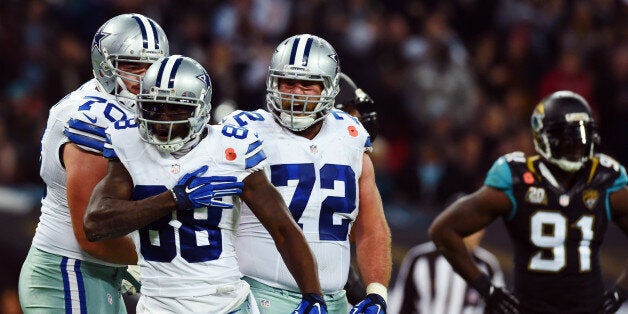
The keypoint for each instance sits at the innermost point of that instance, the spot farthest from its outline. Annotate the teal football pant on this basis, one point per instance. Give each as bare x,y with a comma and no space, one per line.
272,300
51,283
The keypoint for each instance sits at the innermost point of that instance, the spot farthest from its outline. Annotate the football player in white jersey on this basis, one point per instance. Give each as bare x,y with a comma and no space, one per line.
64,272
317,159
184,226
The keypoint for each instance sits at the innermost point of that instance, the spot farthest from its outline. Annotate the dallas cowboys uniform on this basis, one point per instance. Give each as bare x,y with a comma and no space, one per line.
318,179
187,258
66,277
557,233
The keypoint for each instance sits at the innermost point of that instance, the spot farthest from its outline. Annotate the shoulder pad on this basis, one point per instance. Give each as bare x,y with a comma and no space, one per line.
123,141
108,151
86,127
352,127
246,142
607,161
517,156
243,118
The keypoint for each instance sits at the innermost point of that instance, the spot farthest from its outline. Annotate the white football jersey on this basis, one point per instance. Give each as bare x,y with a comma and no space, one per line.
188,252
318,179
80,117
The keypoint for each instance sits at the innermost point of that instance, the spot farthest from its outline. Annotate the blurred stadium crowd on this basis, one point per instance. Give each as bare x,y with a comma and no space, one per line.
454,81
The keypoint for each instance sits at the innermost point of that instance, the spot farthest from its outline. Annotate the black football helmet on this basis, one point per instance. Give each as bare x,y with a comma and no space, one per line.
564,130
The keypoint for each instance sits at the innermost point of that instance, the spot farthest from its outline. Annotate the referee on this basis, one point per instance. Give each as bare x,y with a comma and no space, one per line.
426,283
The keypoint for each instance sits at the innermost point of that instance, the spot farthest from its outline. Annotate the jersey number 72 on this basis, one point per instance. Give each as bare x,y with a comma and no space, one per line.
332,207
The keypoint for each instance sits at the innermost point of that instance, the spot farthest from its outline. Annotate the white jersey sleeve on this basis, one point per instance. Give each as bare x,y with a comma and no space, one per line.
318,179
86,127
187,252
54,232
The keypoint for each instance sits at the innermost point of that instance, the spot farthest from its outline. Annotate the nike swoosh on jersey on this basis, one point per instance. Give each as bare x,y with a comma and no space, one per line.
92,120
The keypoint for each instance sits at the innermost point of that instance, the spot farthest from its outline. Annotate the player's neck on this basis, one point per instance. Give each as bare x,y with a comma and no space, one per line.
190,145
566,179
311,131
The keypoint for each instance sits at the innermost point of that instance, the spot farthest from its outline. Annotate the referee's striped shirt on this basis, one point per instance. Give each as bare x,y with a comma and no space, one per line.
426,283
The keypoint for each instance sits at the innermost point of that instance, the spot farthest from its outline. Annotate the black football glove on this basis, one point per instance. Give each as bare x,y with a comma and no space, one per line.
498,300
613,299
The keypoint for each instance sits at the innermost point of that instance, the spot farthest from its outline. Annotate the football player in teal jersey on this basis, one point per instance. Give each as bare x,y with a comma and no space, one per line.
556,207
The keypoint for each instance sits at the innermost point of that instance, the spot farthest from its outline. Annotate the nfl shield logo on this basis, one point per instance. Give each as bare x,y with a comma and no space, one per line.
313,149
564,200
264,303
174,169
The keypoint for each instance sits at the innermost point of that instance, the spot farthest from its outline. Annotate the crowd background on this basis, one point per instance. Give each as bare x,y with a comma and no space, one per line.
454,82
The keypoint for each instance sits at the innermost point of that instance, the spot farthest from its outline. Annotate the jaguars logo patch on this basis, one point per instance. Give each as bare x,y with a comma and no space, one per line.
590,198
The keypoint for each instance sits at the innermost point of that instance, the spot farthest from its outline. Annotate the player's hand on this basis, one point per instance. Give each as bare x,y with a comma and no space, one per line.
311,303
372,304
195,191
613,299
498,300
501,301
354,287
130,284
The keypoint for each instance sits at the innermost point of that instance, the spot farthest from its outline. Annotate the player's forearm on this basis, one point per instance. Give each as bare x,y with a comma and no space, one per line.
118,251
108,218
622,281
299,259
373,253
452,246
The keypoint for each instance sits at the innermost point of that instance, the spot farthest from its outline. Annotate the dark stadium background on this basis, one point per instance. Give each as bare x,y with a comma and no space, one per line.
454,83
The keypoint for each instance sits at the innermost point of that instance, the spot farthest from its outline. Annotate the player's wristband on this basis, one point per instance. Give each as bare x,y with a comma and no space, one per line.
179,198
483,285
379,289
314,298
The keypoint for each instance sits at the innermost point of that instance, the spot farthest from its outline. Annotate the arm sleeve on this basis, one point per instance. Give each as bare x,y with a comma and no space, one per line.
254,158
86,127
108,150
619,183
500,177
88,136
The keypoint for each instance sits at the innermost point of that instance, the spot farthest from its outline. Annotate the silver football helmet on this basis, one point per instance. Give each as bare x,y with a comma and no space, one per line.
126,38
302,57
174,103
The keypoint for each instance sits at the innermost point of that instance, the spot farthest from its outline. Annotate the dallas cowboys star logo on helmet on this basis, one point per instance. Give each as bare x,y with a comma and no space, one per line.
334,57
98,39
205,78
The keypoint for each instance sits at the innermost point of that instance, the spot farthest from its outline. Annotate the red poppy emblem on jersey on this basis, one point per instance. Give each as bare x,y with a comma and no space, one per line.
230,154
352,131
528,178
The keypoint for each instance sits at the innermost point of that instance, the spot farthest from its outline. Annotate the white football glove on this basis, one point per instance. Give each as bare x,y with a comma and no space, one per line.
131,284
